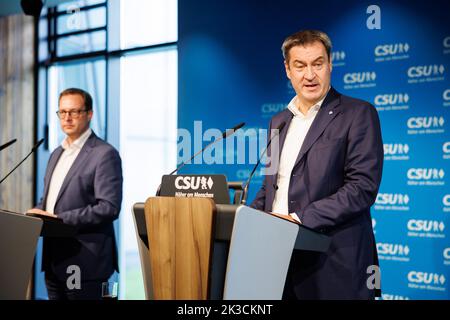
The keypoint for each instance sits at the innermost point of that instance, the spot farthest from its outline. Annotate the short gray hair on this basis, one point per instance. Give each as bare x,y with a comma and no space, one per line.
304,37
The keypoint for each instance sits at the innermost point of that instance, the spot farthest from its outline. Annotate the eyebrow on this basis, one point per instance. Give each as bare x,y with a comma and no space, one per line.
315,60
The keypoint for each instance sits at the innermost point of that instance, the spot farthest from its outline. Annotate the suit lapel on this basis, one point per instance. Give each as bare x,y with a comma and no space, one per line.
328,111
78,163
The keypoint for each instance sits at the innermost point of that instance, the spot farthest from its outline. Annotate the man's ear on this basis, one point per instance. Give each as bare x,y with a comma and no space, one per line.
90,114
288,70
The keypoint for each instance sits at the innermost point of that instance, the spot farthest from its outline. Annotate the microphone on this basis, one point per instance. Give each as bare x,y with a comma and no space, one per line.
6,145
245,192
225,135
29,154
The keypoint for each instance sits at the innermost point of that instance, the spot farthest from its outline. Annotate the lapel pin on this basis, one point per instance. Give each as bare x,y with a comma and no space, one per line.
331,112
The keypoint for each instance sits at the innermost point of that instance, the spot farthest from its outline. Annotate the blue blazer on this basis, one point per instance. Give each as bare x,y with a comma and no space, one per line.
90,199
333,184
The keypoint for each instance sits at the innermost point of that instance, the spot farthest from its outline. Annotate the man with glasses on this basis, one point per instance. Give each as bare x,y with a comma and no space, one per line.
83,187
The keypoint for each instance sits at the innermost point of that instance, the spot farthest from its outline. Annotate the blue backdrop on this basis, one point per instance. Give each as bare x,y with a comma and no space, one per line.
231,70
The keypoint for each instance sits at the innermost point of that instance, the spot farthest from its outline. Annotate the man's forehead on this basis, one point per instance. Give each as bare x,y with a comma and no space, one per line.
308,52
71,100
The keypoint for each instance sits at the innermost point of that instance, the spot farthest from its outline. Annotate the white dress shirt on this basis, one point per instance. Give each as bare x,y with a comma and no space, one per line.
295,136
66,160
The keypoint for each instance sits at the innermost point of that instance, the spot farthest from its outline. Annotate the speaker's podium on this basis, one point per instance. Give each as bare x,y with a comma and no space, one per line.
19,235
194,244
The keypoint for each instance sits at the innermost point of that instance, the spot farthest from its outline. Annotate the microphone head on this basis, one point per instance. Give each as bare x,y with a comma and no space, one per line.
6,145
240,125
37,145
233,130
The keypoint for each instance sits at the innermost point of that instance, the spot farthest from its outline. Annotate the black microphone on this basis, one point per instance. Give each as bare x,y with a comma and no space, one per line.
245,192
29,154
225,135
6,145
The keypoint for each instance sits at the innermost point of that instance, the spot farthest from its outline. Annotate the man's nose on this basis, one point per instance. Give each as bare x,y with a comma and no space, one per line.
309,73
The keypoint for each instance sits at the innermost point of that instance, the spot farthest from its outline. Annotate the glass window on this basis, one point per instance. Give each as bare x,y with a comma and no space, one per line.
148,129
144,126
82,20
73,5
148,22
82,43
89,76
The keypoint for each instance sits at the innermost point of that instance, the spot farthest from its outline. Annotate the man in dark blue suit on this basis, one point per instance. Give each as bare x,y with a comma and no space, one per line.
328,176
83,187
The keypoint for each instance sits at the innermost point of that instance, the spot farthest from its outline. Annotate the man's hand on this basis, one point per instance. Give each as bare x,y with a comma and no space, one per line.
41,212
289,217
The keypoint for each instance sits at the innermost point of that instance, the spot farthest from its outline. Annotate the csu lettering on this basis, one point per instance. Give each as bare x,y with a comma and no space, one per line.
425,277
391,99
391,49
425,122
359,77
425,174
425,225
185,183
425,71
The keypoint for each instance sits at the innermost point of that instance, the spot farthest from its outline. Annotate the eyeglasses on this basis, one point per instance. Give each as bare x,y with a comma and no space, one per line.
74,114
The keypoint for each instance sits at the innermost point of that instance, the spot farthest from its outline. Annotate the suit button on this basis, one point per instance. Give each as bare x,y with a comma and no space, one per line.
292,201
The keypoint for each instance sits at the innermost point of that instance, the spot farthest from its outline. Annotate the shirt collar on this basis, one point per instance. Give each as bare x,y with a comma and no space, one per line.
79,143
292,106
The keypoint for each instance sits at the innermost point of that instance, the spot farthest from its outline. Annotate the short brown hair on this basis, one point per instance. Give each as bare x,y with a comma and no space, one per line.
86,96
304,37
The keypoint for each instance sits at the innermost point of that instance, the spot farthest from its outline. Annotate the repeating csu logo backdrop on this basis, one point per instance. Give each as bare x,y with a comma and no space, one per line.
411,213
405,77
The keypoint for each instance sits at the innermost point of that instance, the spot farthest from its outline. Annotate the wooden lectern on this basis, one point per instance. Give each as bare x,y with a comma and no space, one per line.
192,248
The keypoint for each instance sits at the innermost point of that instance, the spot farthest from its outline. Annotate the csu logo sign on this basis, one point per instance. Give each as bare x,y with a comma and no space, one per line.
392,198
359,77
426,278
392,201
446,42
393,251
425,174
426,71
396,151
446,150
269,109
391,99
446,97
426,228
395,148
446,203
391,49
425,177
426,125
390,52
426,225
425,122
338,58
446,254
358,80
193,183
